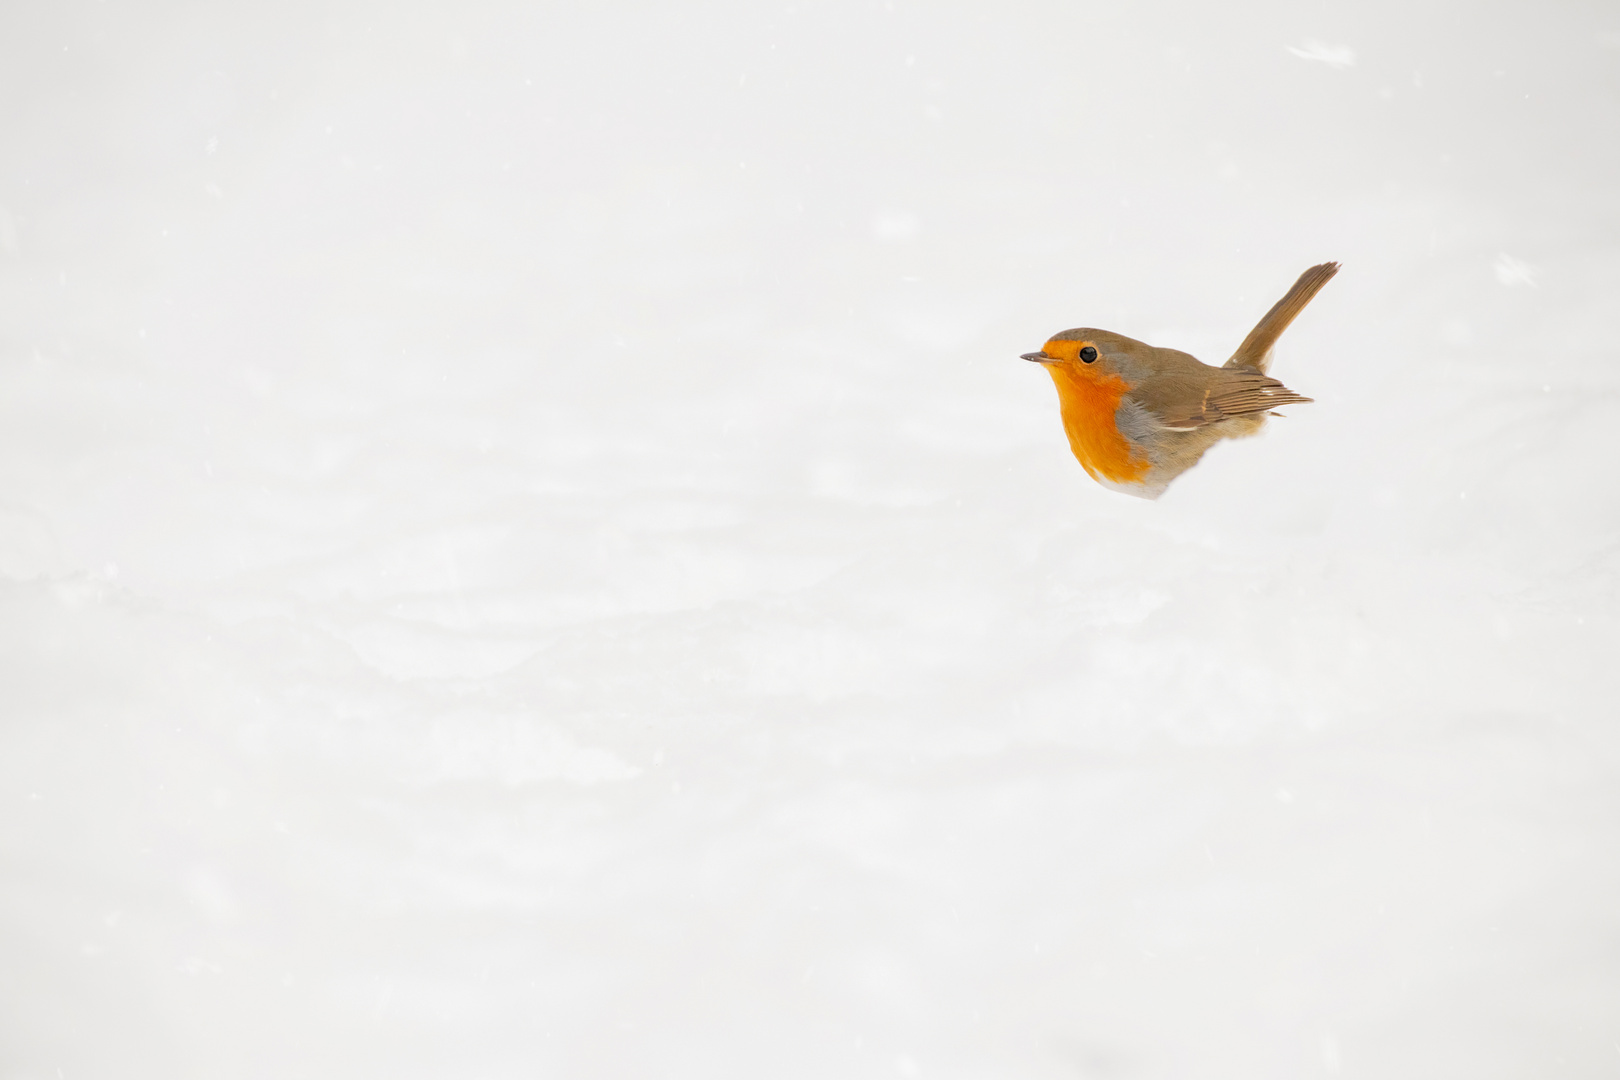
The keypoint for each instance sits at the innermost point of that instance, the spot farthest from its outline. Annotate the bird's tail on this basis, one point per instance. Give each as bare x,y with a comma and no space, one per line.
1255,351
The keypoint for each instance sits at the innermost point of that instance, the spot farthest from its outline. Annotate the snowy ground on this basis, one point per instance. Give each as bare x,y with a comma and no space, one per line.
526,548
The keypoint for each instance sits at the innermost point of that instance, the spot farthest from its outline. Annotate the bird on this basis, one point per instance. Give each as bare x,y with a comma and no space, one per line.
1138,416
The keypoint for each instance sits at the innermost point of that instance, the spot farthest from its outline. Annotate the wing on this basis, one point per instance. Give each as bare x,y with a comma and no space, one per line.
1255,351
1186,402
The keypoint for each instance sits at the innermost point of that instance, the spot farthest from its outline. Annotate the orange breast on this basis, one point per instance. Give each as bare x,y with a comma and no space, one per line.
1089,403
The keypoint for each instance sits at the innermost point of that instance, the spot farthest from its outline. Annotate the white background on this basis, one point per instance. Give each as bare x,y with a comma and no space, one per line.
526,549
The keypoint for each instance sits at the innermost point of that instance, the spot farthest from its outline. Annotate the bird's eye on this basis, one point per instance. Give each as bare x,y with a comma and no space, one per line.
1088,354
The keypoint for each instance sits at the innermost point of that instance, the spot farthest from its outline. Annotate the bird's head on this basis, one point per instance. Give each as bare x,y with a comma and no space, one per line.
1088,354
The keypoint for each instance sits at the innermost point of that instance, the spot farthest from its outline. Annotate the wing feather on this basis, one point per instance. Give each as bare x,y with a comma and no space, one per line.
1185,403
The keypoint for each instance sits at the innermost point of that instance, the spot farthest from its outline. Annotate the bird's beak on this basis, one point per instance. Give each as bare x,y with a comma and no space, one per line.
1038,357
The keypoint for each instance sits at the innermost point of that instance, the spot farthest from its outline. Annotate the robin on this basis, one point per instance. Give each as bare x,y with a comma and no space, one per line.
1138,416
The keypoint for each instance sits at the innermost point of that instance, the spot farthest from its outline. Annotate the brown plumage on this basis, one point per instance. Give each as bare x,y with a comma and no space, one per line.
1139,416
1255,351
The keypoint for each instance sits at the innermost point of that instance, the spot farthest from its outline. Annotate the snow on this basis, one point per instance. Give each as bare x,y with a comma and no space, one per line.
526,547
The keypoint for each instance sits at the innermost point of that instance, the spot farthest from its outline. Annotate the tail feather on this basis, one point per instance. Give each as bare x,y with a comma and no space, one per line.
1255,351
